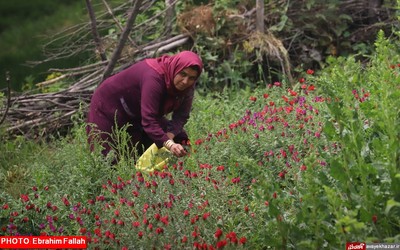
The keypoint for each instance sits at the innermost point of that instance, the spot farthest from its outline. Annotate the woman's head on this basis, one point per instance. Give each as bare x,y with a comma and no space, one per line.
186,78
180,71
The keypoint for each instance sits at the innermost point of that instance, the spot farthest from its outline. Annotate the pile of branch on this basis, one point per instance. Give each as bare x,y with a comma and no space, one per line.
43,114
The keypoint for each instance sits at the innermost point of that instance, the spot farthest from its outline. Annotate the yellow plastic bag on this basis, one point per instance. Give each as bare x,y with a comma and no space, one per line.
153,159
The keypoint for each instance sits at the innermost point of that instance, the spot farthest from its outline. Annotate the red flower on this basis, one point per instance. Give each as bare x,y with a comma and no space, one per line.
198,142
186,212
184,239
221,244
5,206
159,230
65,201
292,93
266,203
195,234
97,231
303,168
206,215
232,237
164,220
274,195
194,219
253,98
266,96
302,80
242,240
24,197
140,234
310,72
82,230
236,180
220,168
374,218
218,233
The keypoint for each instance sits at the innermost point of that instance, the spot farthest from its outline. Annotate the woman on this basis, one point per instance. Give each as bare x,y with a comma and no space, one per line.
141,96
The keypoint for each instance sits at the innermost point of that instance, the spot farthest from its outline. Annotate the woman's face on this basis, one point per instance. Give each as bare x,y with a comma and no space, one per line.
185,79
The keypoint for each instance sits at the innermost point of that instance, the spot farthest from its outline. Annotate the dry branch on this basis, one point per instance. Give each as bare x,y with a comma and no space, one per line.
122,40
96,36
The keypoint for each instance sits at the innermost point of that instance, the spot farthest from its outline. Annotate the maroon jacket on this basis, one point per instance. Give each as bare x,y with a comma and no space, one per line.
138,95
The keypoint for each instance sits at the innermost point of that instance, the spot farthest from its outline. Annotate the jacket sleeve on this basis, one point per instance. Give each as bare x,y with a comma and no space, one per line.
152,93
181,115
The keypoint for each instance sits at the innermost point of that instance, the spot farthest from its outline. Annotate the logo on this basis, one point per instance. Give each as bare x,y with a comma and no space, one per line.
356,246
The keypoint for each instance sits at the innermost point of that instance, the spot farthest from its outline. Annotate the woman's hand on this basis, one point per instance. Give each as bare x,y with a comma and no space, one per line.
175,148
178,150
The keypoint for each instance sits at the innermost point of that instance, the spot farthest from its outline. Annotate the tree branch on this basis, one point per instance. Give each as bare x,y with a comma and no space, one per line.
109,10
95,33
122,40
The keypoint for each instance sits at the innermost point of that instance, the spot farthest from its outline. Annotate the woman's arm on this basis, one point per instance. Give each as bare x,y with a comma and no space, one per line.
152,94
181,115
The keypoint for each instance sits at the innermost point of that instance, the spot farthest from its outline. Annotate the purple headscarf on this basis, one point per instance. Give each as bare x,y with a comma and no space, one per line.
170,66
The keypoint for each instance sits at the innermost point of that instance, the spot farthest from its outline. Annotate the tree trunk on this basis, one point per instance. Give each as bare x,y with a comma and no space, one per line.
260,16
373,10
169,15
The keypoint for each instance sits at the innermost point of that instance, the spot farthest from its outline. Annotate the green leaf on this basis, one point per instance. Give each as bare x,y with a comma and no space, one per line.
337,171
390,204
330,130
